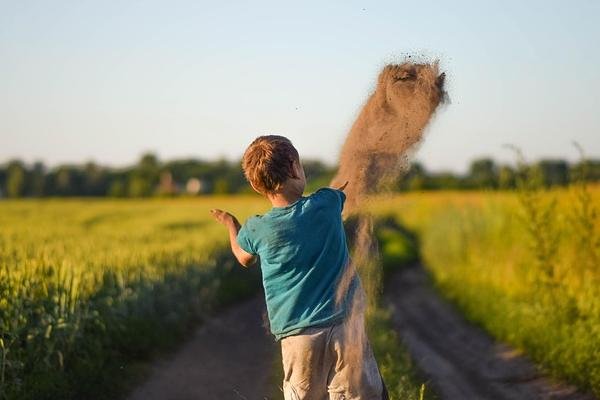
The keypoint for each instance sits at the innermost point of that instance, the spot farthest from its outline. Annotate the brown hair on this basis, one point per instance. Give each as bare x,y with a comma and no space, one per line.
268,162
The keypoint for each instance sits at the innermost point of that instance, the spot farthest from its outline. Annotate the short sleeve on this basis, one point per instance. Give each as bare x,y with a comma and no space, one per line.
342,198
244,240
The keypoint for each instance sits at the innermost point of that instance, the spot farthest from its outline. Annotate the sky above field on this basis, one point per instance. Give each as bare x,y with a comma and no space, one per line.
108,80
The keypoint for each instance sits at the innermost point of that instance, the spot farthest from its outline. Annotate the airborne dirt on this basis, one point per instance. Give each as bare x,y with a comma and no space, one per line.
376,151
387,129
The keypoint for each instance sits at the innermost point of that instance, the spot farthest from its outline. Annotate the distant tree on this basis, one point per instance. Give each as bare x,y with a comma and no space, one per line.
144,177
37,179
483,174
221,186
235,177
416,178
117,189
68,181
139,187
63,181
444,180
587,169
15,179
148,164
506,177
183,170
553,172
95,180
2,181
223,176
318,174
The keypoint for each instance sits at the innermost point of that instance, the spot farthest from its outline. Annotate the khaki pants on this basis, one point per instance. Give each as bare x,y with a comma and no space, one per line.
328,363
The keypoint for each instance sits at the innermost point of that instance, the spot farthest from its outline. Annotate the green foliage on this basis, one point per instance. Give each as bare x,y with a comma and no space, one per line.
15,181
221,186
88,289
223,176
538,212
553,172
139,187
398,249
483,174
117,189
506,178
37,180
585,169
585,218
395,364
523,265
91,289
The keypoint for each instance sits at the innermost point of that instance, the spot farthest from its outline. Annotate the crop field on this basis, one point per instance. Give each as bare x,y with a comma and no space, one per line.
89,287
524,265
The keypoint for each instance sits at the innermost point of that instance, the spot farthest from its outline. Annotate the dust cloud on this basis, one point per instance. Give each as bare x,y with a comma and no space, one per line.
376,152
388,127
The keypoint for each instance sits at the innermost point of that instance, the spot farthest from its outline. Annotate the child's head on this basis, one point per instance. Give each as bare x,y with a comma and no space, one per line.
271,164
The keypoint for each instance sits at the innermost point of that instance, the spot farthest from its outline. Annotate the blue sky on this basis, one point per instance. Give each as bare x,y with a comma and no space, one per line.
107,80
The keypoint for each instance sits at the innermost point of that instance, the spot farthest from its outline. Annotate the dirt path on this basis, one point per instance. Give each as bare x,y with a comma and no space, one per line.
461,361
232,356
229,357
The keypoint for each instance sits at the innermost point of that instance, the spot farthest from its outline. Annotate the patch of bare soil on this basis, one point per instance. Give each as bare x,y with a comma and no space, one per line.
460,360
229,357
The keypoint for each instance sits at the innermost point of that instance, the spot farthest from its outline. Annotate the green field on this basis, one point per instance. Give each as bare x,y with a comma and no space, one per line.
87,286
91,289
524,265
90,286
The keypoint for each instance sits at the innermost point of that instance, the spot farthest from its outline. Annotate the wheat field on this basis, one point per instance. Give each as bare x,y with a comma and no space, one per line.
88,285
78,277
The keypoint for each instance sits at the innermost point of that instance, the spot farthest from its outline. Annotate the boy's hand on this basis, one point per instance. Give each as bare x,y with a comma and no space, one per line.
343,186
233,226
224,218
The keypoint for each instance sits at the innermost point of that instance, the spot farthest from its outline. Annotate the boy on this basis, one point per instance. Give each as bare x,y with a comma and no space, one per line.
303,253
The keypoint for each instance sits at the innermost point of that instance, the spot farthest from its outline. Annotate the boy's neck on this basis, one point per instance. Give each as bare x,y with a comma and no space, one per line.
291,190
284,198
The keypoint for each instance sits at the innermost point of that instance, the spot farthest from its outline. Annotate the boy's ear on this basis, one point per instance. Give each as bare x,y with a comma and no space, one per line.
296,169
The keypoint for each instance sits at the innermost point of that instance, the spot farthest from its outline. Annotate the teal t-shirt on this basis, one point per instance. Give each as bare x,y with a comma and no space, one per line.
303,254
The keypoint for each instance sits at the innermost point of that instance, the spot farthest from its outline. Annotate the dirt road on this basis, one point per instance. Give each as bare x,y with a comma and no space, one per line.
461,361
233,357
229,357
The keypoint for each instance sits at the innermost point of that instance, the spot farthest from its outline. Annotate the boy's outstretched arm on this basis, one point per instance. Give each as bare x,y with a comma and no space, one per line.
233,226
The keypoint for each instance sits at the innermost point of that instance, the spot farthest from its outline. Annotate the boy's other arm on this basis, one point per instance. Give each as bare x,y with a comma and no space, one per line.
233,226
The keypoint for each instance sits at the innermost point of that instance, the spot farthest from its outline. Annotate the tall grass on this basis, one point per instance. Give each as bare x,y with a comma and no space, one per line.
524,265
89,288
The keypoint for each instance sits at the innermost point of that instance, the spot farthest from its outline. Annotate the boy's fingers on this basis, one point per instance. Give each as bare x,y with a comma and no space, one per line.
343,186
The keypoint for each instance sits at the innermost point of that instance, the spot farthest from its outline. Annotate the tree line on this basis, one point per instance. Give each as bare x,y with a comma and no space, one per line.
153,177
